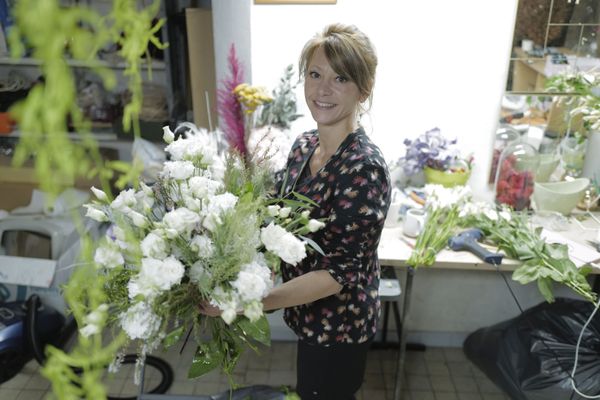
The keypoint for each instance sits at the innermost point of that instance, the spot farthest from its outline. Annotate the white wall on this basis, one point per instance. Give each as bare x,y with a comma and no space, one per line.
441,64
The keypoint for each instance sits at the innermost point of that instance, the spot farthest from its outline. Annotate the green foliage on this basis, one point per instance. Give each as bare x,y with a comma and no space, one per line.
439,227
542,262
282,111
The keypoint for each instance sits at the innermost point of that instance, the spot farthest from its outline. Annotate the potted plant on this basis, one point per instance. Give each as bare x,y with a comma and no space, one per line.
438,158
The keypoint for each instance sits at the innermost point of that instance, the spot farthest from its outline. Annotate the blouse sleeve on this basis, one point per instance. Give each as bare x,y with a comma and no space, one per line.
361,201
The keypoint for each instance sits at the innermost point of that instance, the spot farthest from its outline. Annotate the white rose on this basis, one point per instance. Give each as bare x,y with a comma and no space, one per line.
203,187
314,225
177,149
181,220
285,212
178,170
250,286
202,245
100,195
140,322
305,214
283,244
211,221
95,214
108,257
154,246
125,200
138,219
168,135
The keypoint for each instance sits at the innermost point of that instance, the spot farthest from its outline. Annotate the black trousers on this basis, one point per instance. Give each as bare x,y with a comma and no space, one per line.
333,372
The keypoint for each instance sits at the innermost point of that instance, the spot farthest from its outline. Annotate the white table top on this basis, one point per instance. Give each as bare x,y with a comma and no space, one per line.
395,248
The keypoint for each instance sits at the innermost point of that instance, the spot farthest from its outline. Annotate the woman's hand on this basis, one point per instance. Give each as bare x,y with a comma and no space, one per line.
208,309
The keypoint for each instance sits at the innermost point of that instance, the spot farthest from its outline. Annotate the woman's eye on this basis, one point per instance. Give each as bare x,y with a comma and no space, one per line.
341,79
314,74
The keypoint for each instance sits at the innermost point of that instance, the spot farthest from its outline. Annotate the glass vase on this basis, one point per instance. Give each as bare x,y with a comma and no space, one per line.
516,175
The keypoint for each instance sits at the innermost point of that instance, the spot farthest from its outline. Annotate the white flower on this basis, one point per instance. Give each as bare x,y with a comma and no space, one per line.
203,187
250,286
178,170
215,207
181,220
491,214
124,201
314,225
140,322
203,245
109,257
100,195
168,135
283,244
95,214
285,212
94,321
172,271
145,198
156,276
222,203
228,315
305,214
273,210
505,215
138,219
253,311
154,246
89,330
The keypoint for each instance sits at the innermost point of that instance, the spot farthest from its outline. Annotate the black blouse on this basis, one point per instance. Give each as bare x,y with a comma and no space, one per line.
352,191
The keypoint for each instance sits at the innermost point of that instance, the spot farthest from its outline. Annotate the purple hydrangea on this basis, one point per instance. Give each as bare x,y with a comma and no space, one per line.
430,149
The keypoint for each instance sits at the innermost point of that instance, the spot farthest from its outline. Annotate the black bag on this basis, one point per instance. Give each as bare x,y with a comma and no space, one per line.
531,356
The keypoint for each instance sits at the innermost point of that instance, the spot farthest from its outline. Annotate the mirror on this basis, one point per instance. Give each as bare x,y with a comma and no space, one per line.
551,37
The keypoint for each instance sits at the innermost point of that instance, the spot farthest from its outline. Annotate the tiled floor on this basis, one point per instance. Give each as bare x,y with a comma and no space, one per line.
434,374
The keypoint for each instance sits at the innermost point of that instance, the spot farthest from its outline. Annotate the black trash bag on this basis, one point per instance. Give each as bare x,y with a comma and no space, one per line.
531,356
256,392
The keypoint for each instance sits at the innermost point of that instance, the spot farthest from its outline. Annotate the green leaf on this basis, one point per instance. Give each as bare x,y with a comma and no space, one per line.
556,250
526,273
545,287
207,358
258,330
313,244
173,337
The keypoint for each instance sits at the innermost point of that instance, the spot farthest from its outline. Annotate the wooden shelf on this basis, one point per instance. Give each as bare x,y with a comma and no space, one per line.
32,62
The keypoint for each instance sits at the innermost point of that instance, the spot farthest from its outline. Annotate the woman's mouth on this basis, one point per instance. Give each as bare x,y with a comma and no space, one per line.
322,105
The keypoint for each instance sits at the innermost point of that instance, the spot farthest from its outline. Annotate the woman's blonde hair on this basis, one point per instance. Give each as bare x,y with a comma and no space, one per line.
349,52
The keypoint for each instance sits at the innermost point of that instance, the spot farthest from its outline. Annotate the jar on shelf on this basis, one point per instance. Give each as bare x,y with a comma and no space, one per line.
505,135
516,175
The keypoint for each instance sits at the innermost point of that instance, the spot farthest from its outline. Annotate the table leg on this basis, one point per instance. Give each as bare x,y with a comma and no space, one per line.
410,272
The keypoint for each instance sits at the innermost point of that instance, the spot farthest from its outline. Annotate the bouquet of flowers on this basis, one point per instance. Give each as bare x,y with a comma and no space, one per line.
206,230
431,150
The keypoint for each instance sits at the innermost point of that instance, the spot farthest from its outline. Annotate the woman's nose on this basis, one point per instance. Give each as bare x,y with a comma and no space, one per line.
324,87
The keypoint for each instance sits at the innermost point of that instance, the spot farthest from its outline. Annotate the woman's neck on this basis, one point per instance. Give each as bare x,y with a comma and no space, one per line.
330,138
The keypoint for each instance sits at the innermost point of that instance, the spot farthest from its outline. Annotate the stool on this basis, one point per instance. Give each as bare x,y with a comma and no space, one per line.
389,292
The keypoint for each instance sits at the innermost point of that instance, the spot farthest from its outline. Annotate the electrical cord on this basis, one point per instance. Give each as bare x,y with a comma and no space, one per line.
577,355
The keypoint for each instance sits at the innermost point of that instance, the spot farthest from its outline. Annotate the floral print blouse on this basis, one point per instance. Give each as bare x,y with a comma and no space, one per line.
352,191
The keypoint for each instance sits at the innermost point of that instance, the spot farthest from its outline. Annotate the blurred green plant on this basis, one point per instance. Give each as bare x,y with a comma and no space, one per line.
282,111
53,34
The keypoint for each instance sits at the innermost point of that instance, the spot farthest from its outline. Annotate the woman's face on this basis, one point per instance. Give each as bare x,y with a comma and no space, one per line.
332,99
